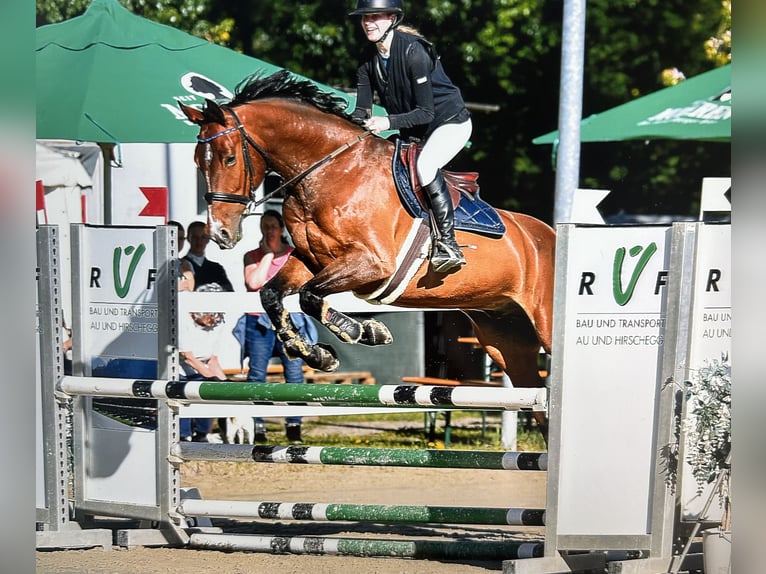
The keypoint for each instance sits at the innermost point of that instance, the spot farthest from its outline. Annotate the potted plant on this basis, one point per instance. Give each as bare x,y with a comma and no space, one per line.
707,428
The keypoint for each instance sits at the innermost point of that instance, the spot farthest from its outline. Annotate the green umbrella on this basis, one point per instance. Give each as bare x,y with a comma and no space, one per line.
112,76
696,109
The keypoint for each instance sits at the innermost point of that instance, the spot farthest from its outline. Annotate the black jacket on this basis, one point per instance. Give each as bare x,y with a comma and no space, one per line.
414,89
210,272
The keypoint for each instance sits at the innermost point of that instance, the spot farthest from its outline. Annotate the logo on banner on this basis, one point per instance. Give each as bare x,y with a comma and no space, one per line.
122,287
125,263
622,296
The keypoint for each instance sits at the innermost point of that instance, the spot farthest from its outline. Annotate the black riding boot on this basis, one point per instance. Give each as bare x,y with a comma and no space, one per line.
445,253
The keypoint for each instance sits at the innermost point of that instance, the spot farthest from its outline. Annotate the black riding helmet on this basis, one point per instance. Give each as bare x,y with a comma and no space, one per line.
378,7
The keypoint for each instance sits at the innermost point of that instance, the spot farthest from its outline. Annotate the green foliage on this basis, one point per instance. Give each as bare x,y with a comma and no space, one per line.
708,426
186,15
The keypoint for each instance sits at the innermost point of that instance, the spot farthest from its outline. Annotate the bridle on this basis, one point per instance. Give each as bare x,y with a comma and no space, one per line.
247,141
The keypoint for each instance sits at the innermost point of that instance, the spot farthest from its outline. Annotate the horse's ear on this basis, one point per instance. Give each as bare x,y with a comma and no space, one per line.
214,113
195,116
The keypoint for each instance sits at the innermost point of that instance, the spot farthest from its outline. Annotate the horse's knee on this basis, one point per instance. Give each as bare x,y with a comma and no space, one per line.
270,297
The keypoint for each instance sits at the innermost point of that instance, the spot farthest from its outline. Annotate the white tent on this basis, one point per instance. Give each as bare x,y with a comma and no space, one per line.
66,182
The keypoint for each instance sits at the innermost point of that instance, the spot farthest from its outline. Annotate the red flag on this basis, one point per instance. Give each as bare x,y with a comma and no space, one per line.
157,202
40,199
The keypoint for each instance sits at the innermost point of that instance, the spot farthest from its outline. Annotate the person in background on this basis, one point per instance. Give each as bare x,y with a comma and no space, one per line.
205,271
198,343
422,103
186,274
260,340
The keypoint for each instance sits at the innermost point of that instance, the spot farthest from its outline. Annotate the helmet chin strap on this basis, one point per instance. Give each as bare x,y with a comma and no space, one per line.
397,21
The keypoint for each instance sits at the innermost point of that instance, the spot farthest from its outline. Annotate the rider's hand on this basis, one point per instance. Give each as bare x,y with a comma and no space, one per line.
378,124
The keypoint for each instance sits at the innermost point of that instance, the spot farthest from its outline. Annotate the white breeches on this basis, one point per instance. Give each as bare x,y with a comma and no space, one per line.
442,145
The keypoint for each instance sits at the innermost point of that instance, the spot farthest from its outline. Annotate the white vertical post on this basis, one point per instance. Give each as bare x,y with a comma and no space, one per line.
509,422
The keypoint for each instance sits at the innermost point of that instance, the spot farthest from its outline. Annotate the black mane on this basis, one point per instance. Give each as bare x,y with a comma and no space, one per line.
283,84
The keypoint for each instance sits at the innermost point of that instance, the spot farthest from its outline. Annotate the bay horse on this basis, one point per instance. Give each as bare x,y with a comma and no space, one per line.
348,225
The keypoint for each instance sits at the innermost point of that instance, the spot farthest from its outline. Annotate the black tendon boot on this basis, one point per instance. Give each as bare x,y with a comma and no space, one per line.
445,254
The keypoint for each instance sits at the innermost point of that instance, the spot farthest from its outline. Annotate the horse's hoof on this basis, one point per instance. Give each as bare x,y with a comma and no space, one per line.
323,357
375,333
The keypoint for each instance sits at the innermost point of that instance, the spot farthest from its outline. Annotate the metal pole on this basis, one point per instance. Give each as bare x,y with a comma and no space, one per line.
570,109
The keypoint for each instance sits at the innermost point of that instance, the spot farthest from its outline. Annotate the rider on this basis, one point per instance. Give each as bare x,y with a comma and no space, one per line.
421,102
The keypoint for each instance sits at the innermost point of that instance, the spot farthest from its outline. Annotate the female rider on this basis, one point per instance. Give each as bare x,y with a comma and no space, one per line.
421,102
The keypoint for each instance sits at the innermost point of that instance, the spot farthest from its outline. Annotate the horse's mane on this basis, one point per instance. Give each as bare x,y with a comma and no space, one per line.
283,84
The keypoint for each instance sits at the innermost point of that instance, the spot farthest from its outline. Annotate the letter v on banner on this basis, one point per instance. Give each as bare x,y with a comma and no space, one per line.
157,202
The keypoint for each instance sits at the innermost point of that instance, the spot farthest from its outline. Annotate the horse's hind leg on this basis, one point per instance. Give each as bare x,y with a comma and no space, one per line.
512,343
347,329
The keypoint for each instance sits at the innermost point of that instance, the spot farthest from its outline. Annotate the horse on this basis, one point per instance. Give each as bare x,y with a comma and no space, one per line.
345,218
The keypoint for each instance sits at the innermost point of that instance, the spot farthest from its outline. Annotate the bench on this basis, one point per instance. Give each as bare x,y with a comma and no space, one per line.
275,374
452,382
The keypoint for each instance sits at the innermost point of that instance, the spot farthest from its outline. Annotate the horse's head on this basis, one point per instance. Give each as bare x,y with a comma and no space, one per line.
301,123
232,173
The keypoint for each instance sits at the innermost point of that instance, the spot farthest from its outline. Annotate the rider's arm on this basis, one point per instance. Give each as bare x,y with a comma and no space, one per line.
363,108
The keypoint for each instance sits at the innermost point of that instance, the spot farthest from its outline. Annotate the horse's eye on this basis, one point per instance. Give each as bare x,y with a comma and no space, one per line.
231,160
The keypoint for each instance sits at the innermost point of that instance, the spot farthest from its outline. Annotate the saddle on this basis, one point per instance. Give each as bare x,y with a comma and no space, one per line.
471,212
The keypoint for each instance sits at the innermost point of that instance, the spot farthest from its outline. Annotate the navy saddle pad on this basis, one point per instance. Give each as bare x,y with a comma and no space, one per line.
471,214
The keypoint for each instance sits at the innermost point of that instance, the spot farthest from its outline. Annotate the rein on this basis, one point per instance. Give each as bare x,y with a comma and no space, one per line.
250,202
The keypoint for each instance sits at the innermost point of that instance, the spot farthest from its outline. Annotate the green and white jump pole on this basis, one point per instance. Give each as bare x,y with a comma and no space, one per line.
328,395
360,456
326,512
318,545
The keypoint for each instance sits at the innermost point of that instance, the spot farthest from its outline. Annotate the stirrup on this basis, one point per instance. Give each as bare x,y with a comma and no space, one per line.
445,257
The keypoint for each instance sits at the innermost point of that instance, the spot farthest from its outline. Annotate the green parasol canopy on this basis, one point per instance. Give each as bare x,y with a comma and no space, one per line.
696,109
112,76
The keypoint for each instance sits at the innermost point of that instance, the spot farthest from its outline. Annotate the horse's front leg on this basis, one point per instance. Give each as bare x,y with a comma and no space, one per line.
319,356
347,329
346,274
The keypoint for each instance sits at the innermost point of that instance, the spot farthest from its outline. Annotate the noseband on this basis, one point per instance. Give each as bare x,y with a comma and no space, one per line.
250,202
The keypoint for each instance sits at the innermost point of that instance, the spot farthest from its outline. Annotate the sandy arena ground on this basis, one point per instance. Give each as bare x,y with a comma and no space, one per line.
317,483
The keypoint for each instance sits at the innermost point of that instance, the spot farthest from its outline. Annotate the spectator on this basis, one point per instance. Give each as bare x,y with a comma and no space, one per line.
199,339
205,271
260,340
186,275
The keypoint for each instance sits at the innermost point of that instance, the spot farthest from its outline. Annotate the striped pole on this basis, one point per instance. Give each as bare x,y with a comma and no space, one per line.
363,512
491,398
361,456
438,549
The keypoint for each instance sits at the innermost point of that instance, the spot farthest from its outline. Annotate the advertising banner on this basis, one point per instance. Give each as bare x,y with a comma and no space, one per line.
607,360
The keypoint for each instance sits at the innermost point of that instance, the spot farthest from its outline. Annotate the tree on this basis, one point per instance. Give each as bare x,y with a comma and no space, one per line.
628,47
186,15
